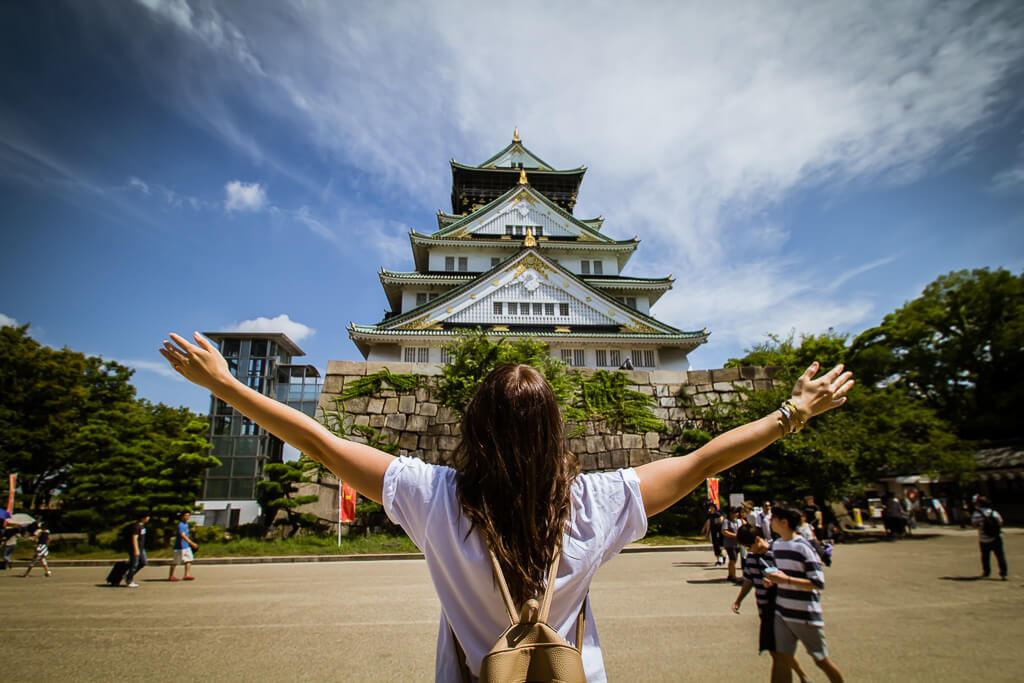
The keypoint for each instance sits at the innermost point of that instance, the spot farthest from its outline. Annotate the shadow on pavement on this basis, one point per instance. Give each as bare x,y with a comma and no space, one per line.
962,578
721,580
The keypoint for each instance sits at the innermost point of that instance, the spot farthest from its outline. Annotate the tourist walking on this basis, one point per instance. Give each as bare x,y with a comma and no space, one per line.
42,550
10,537
136,549
518,503
990,536
758,560
732,547
713,530
183,547
798,616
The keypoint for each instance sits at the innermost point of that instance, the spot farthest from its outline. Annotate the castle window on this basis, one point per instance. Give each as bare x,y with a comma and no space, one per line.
421,298
643,358
497,308
463,264
585,267
446,356
602,358
614,358
512,308
563,309
549,309
449,263
416,354
538,309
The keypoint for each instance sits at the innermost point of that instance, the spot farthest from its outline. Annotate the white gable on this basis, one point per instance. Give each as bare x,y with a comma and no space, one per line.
515,215
529,291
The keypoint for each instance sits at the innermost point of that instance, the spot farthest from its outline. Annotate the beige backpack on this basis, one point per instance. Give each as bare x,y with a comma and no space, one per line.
529,650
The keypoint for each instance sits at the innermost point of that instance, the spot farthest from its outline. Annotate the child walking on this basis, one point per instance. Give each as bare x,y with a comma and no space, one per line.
42,550
518,492
758,561
798,617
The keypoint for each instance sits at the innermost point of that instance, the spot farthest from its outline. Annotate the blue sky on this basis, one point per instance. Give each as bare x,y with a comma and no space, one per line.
171,165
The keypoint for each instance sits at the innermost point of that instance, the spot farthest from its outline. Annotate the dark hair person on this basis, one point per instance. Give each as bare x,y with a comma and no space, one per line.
517,491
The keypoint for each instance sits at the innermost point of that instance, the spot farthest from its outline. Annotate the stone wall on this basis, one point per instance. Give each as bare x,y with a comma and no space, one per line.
424,429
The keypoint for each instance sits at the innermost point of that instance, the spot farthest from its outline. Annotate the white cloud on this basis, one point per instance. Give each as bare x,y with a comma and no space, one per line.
139,185
296,331
6,320
694,117
244,196
159,367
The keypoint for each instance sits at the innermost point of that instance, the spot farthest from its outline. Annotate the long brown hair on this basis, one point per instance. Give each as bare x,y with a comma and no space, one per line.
516,473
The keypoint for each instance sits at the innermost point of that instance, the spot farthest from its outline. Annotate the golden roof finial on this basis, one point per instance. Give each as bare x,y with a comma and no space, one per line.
522,177
530,240
515,136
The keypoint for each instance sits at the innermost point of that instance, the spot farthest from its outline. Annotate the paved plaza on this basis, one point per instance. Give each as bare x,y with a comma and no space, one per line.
895,611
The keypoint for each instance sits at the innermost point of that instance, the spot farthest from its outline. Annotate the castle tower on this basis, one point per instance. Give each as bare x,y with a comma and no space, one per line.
513,260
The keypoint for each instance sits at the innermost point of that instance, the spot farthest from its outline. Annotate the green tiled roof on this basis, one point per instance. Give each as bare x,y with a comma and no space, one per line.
681,335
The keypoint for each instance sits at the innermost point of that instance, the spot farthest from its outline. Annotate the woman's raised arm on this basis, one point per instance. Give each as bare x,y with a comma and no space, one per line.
359,465
663,482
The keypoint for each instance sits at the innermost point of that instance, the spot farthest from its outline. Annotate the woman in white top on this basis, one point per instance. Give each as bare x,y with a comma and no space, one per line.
518,489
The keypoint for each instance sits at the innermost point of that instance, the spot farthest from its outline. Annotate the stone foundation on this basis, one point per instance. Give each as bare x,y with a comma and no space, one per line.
424,429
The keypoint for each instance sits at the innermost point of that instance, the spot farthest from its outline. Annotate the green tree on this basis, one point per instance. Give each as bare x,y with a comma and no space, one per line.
473,355
882,430
959,347
279,492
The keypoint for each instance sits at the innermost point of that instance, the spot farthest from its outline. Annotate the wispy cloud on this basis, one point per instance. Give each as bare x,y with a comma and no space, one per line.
244,196
158,367
6,320
296,331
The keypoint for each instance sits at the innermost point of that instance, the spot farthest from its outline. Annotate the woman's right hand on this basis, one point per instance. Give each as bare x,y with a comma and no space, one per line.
816,396
202,364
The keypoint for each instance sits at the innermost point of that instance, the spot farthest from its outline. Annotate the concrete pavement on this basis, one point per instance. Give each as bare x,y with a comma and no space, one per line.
895,611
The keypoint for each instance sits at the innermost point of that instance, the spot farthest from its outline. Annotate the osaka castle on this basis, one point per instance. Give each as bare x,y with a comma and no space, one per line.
513,260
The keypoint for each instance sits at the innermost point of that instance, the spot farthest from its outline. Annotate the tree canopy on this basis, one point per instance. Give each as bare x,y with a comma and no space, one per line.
959,347
71,425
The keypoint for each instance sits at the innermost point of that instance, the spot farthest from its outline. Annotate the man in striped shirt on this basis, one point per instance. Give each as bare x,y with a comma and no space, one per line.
799,579
758,559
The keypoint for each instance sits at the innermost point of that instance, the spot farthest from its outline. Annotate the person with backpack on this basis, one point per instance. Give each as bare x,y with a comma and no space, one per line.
513,536
990,536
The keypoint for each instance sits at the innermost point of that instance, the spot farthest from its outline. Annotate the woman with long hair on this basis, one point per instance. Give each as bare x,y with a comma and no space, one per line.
517,490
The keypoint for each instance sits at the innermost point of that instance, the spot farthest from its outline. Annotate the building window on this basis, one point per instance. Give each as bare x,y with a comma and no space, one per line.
538,309
446,356
497,308
432,296
643,358
578,358
567,356
602,358
598,268
512,308
421,298
549,309
563,309
416,354
614,358
463,264
449,263
585,267
524,308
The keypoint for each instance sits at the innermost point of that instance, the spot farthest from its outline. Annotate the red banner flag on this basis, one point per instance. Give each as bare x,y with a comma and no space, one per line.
713,491
347,504
10,496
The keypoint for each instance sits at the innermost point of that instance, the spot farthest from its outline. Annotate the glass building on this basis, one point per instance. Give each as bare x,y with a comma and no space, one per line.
263,361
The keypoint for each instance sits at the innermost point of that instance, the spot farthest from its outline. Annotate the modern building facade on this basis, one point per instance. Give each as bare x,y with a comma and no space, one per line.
264,362
513,260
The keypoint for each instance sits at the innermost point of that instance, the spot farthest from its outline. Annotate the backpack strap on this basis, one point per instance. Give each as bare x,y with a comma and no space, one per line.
510,605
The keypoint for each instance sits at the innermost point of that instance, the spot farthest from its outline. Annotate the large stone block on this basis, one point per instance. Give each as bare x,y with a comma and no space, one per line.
577,446
677,414
669,377
595,444
660,413
619,458
416,423
612,441
447,443
333,384
428,442
723,386
395,367
376,421
375,405
632,441
395,421
408,440
690,389
429,409
589,462
422,394
387,393
700,400
604,460
645,389
358,404
725,375
698,377
762,384
638,376
668,402
660,390
446,415
346,367
390,406
363,420
638,456
407,404
748,372
652,439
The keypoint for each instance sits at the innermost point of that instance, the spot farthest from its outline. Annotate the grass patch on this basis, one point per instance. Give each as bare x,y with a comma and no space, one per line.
673,540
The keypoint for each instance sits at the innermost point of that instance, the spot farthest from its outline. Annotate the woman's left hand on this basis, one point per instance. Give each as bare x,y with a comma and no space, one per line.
816,396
